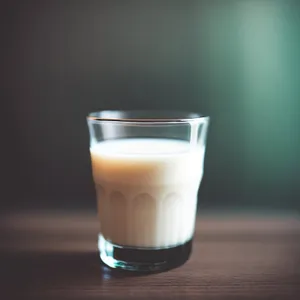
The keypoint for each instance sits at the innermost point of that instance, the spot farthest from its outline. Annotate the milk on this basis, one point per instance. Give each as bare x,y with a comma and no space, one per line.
147,190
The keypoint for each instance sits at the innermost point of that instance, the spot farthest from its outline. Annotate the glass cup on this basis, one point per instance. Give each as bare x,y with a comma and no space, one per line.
147,167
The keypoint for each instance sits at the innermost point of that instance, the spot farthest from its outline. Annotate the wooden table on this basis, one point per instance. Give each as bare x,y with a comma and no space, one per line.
238,256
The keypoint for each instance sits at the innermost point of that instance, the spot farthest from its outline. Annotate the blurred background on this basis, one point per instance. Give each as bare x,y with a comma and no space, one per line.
237,61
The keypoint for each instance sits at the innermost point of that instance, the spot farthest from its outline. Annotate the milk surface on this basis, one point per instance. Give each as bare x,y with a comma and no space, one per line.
147,190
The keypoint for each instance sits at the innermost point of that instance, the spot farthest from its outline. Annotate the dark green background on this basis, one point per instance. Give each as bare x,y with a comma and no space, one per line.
237,61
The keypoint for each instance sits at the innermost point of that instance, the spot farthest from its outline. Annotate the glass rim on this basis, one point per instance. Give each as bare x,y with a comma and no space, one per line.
153,116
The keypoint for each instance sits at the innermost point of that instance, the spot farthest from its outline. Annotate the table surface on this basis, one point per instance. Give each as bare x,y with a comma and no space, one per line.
238,256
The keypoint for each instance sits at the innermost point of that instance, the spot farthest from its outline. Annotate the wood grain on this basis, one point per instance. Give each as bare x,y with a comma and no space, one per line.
54,256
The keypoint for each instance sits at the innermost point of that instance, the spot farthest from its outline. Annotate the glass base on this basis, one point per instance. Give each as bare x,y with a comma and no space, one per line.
143,259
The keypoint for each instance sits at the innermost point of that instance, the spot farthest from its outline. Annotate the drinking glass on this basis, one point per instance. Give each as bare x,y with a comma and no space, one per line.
147,167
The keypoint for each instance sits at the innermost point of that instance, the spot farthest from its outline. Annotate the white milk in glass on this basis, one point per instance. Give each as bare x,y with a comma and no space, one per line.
147,190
